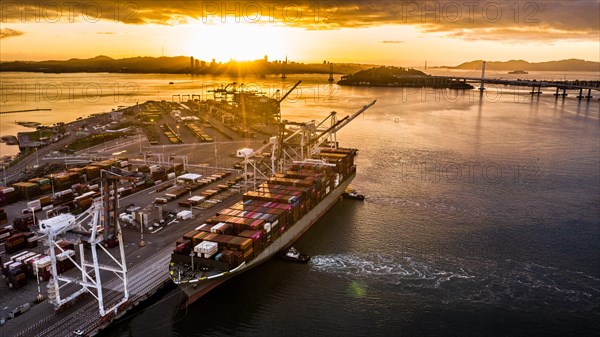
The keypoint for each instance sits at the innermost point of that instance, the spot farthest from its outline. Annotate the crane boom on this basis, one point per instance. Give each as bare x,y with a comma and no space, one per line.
289,91
356,114
339,125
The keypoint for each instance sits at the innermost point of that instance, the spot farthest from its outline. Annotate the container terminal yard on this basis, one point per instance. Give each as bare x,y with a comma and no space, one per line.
166,171
147,263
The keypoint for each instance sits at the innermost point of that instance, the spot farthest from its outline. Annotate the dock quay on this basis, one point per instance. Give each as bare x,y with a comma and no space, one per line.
147,273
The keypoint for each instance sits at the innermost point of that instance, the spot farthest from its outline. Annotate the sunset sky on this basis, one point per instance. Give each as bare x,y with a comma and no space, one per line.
383,32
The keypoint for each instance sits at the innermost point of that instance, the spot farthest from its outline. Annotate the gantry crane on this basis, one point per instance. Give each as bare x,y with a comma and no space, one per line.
93,228
296,142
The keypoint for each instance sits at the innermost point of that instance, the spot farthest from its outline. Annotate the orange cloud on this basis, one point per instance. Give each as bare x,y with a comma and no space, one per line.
7,32
465,19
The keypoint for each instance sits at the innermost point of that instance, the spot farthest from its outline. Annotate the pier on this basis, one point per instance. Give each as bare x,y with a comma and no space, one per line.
27,110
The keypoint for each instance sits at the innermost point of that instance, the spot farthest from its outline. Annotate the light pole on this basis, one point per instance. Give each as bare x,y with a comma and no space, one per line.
191,208
52,184
216,162
33,212
142,243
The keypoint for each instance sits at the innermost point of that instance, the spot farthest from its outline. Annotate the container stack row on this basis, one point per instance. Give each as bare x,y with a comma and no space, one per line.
241,231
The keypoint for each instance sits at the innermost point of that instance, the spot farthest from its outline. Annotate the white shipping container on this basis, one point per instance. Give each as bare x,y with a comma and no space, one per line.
14,265
43,262
184,215
33,258
24,257
221,226
65,255
206,246
242,153
196,199
16,256
8,189
171,175
35,204
65,192
206,249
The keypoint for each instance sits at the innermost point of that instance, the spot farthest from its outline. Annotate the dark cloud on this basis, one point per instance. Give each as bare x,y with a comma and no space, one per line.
484,19
7,32
391,41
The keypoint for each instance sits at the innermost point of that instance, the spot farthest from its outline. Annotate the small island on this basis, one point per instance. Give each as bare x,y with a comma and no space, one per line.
400,77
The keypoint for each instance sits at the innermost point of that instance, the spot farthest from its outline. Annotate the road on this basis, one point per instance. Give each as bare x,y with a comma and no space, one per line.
15,172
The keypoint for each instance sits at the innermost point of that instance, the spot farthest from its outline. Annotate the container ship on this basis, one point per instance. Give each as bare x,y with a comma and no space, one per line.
267,219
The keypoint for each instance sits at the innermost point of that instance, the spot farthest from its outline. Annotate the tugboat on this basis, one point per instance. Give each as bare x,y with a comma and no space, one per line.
292,254
352,194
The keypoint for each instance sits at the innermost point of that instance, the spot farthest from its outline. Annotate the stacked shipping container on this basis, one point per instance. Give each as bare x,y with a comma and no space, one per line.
244,229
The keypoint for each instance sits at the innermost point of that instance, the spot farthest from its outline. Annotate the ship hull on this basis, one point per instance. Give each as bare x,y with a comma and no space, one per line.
196,290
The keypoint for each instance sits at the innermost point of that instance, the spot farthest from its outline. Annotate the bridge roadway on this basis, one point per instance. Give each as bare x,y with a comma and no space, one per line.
570,85
147,273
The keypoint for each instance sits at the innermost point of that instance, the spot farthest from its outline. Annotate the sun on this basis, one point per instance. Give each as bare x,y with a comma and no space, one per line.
237,41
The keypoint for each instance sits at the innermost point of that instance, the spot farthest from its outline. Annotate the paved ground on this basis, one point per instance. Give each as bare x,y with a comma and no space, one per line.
147,265
15,172
147,269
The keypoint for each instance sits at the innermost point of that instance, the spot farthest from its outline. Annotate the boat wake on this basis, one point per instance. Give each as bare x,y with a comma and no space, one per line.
387,268
511,284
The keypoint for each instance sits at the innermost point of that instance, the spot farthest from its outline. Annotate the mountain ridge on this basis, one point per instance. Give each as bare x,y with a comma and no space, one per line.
571,64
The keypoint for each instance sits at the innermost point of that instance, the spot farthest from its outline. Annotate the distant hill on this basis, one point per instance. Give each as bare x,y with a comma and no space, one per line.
562,65
175,65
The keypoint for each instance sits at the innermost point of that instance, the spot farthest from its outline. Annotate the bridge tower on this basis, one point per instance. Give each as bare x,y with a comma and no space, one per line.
481,86
330,72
